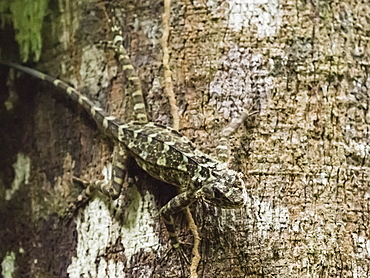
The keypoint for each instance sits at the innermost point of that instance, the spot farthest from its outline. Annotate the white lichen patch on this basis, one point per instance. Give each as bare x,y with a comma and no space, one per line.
7,265
241,79
271,218
262,16
98,231
94,234
22,168
138,232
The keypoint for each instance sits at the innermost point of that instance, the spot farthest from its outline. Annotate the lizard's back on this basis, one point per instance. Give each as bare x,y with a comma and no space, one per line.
167,155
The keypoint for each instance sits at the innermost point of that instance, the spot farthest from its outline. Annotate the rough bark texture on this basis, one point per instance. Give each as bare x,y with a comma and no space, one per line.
301,67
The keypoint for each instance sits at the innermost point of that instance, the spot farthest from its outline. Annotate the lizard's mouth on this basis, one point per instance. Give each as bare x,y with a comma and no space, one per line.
224,197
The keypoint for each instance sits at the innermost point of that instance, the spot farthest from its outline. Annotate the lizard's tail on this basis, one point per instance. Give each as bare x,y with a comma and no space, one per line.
106,122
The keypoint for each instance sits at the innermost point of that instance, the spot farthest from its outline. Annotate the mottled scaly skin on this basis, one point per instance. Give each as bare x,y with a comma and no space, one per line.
168,156
159,150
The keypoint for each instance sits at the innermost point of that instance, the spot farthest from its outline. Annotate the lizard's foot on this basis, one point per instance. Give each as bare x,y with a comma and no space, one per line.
82,199
180,254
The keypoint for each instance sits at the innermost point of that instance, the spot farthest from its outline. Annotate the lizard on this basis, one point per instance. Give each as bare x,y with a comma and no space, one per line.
159,150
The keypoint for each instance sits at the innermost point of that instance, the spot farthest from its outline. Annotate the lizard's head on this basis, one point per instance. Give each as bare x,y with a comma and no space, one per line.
227,190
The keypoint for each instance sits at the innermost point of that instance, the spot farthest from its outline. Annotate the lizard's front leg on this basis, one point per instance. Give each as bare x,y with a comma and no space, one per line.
175,205
113,187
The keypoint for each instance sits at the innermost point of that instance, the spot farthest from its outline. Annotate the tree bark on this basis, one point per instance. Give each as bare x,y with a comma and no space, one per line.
301,68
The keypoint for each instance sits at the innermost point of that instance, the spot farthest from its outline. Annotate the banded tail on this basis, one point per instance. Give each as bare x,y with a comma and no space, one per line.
109,123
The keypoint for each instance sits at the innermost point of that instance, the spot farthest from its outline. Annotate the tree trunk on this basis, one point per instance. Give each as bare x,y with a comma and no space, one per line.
301,68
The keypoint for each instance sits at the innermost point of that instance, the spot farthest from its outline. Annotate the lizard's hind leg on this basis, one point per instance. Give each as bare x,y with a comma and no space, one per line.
110,187
113,186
